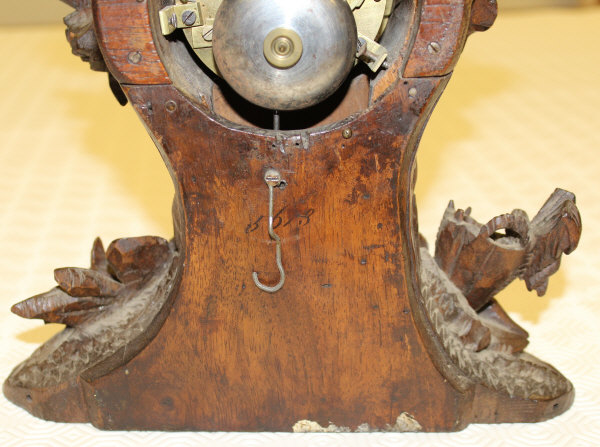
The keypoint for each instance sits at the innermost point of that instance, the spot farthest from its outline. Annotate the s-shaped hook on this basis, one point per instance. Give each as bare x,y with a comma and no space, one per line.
273,180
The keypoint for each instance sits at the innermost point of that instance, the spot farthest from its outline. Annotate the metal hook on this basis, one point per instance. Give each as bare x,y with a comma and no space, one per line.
272,179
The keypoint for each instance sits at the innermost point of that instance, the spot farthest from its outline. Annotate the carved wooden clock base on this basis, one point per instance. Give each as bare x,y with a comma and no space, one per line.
364,330
112,305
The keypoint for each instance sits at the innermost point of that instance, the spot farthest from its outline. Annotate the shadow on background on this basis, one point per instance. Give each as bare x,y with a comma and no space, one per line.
516,298
117,138
40,334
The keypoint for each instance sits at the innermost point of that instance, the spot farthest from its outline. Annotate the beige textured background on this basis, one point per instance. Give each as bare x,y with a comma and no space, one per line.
27,12
520,117
52,11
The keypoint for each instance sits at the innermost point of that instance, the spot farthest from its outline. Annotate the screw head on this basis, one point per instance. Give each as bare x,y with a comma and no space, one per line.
272,177
434,47
208,35
188,17
347,133
412,92
171,106
134,57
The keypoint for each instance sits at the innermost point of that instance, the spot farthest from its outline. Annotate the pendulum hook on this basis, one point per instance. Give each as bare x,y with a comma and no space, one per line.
272,179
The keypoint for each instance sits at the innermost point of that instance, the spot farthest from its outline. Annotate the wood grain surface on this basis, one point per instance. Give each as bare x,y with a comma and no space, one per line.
123,31
335,342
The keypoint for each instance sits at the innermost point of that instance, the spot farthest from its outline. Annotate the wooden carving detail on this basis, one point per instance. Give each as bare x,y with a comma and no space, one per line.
129,48
555,230
104,308
483,15
473,345
477,262
480,260
81,34
82,293
472,263
84,42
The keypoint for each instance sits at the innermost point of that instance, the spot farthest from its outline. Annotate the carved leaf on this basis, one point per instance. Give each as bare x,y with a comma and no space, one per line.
476,337
481,260
57,306
98,257
504,330
81,34
85,282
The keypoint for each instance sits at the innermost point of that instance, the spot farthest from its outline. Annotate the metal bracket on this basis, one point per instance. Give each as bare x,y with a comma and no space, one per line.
355,3
371,53
186,15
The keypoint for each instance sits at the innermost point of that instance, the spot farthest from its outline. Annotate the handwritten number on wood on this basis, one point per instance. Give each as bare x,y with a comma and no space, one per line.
303,219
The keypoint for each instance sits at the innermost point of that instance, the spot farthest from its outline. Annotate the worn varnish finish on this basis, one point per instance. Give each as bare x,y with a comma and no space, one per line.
340,351
367,326
126,41
441,36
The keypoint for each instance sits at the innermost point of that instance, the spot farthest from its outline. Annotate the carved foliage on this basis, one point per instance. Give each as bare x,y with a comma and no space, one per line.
483,259
497,366
82,293
102,312
476,258
480,260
